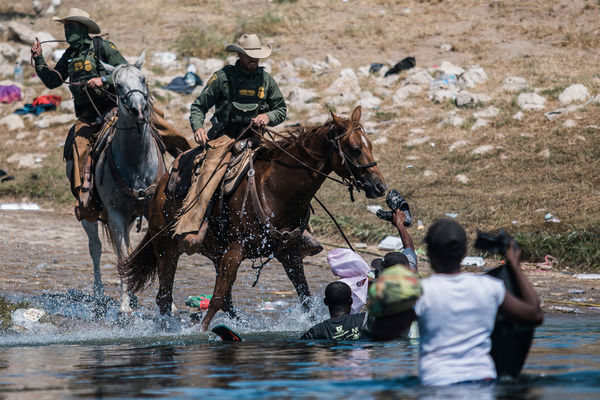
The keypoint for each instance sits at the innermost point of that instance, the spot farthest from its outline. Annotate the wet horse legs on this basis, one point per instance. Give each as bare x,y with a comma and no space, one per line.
294,268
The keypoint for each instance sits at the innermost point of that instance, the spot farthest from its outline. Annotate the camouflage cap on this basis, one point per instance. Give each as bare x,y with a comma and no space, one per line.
396,290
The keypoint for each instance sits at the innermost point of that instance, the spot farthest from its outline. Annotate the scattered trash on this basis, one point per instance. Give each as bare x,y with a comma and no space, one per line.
391,243
420,226
410,166
515,222
407,63
469,260
420,252
268,305
375,68
10,94
5,177
163,58
551,218
576,291
360,245
19,206
200,302
443,81
373,209
185,84
18,72
451,215
580,299
587,276
40,105
548,263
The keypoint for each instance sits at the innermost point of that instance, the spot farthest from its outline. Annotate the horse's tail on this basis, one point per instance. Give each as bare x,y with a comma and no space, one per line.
140,265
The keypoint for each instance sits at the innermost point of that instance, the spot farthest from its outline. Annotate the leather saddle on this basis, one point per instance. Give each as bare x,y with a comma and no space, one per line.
189,163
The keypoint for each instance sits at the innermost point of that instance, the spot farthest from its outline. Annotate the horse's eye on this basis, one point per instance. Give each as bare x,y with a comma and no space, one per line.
118,86
356,150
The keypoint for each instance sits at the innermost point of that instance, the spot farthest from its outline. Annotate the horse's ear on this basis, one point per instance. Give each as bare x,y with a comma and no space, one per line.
356,115
336,120
140,61
107,67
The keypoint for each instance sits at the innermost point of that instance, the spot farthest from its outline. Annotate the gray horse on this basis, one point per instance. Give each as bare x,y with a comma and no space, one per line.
126,171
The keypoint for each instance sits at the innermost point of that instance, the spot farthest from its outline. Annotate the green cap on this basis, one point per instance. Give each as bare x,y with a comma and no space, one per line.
396,290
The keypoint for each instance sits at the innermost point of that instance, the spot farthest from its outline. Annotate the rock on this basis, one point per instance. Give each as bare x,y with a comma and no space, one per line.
301,63
531,101
28,321
8,51
405,91
52,120
12,122
448,68
380,140
28,160
480,123
367,100
461,178
446,47
474,76
514,84
341,99
344,86
164,59
545,153
457,144
486,148
439,95
348,73
384,93
480,98
416,131
518,115
21,33
569,124
364,70
332,61
454,120
418,76
554,114
464,99
67,106
321,67
573,93
417,141
301,95
428,173
489,112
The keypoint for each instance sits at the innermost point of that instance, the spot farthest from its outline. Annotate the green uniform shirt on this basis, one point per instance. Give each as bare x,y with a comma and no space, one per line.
80,65
253,93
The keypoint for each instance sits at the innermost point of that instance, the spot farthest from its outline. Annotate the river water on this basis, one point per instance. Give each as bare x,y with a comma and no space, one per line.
138,358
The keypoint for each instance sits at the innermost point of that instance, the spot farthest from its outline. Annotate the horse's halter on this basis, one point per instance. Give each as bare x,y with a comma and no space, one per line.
124,99
353,182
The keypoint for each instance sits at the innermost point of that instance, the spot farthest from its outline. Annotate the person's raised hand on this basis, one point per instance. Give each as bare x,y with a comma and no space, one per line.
513,254
36,49
201,137
398,218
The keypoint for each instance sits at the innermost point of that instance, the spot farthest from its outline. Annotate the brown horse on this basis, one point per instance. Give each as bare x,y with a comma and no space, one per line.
264,222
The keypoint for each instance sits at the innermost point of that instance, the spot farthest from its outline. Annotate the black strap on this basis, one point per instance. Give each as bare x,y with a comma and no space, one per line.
99,50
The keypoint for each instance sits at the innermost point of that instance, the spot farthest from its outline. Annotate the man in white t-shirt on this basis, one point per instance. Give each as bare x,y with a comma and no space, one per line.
456,311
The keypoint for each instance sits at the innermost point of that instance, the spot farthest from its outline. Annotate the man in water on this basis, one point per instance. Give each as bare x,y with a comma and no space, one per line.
342,325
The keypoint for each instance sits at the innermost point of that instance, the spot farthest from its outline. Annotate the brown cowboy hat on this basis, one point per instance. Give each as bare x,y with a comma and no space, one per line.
77,15
251,46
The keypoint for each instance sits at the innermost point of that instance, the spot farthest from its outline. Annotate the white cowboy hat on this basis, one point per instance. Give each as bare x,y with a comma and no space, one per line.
251,46
77,15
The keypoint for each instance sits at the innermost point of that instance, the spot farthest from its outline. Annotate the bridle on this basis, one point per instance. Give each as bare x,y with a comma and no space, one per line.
124,100
352,181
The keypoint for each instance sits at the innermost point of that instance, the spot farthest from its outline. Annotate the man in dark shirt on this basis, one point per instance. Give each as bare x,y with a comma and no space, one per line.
342,325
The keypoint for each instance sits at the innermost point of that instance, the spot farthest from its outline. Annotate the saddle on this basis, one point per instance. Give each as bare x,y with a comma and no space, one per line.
187,165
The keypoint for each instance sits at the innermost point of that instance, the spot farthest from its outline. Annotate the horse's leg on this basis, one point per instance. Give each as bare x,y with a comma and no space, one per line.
228,267
227,301
294,268
95,248
118,229
168,256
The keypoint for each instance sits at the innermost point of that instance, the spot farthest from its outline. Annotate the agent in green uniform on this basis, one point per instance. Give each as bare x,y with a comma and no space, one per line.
243,93
93,94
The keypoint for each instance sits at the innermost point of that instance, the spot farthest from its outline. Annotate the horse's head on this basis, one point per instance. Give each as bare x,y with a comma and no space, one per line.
352,157
131,88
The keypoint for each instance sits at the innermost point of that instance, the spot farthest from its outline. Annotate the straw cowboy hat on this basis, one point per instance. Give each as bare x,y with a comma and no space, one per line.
251,46
77,15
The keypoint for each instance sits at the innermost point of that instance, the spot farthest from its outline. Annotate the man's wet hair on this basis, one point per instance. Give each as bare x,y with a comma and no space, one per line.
338,294
446,245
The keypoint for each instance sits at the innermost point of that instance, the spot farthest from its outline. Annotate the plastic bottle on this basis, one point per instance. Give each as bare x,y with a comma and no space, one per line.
18,72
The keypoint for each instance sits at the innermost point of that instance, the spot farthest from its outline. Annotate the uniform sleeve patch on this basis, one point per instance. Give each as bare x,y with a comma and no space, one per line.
112,46
212,79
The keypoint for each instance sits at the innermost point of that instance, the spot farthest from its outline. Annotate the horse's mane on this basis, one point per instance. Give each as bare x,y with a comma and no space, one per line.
293,135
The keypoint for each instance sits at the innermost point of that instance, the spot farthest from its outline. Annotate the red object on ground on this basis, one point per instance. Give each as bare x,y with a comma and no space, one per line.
48,99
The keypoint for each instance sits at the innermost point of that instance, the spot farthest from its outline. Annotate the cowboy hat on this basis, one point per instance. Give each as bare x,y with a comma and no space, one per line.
77,15
250,45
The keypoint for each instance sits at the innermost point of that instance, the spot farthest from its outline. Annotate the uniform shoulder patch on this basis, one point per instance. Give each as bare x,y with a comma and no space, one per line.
111,45
211,79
